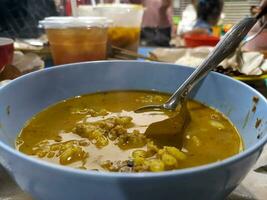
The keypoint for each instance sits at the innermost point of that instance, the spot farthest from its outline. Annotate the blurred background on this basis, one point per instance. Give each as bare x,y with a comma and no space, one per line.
19,18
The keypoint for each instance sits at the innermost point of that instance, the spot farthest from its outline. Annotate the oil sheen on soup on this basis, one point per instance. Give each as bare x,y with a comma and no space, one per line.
102,132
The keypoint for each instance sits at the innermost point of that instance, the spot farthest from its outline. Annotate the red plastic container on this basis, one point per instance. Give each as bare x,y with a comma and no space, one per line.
196,40
6,52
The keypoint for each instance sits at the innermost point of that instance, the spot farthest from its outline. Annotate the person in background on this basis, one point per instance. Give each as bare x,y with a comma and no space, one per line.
157,22
188,19
263,4
208,15
254,10
259,43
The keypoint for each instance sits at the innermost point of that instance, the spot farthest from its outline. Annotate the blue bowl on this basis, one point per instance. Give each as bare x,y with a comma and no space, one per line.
28,95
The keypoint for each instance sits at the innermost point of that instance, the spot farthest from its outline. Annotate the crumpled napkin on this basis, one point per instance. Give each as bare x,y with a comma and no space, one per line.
193,56
27,62
251,65
254,62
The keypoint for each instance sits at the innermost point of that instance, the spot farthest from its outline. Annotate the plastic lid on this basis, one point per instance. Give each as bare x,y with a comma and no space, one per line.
120,6
5,41
66,22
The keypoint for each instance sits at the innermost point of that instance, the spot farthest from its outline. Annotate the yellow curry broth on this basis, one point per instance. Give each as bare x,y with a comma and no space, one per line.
101,132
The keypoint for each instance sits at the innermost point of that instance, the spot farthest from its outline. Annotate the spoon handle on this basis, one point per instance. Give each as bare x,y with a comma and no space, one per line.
223,49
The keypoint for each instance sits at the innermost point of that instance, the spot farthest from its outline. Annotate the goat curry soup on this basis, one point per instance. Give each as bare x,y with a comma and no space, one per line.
102,132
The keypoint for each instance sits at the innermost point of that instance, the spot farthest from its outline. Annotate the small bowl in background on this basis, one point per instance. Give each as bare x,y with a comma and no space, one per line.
197,40
6,52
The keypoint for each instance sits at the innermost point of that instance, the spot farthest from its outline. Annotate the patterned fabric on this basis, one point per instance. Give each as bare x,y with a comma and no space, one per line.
19,18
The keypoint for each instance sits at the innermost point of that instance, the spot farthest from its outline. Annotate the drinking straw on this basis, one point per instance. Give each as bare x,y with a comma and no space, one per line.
74,8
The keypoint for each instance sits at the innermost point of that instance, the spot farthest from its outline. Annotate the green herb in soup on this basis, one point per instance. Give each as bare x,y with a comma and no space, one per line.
101,131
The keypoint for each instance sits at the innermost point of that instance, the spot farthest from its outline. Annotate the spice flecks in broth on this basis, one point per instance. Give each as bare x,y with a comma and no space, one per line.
101,131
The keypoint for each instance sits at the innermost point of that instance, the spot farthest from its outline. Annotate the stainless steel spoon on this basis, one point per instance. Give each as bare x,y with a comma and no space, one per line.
223,49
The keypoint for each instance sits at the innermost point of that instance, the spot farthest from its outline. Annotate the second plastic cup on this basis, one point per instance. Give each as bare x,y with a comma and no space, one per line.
126,27
77,39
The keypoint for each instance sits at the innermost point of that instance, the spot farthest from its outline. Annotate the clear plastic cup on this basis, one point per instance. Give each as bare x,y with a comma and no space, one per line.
77,39
126,27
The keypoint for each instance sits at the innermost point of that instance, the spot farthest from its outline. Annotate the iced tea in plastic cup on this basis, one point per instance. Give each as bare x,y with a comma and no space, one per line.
126,27
77,39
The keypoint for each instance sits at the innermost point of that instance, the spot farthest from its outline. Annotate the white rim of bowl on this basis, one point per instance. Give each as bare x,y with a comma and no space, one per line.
5,41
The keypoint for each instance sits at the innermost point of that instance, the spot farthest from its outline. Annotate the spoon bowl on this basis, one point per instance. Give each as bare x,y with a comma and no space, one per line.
170,130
